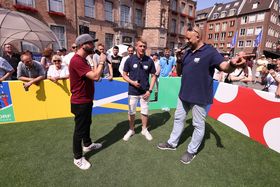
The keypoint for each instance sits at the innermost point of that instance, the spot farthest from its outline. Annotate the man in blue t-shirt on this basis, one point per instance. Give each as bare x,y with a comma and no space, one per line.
196,66
167,64
137,69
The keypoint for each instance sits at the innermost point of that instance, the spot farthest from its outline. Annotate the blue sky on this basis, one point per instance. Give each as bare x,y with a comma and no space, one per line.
201,4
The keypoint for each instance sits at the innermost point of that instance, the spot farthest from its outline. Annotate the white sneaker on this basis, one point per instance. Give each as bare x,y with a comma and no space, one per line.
128,135
82,163
147,134
92,147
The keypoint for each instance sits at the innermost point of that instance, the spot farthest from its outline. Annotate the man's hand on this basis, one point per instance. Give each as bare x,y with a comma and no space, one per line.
110,78
237,61
54,79
26,85
136,84
146,95
102,57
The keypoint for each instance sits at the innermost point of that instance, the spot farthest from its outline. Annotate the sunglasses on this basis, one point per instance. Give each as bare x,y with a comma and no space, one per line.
74,47
56,60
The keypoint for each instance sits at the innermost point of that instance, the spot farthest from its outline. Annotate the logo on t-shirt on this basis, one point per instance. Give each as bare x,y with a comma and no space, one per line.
145,67
196,60
134,65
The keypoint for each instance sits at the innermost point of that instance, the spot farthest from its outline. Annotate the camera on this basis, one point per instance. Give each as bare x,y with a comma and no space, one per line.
271,66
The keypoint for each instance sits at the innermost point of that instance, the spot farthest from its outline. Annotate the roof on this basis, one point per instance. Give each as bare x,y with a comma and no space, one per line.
225,10
204,11
260,5
203,14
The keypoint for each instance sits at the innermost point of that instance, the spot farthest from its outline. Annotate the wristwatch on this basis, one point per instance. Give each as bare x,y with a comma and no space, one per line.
151,91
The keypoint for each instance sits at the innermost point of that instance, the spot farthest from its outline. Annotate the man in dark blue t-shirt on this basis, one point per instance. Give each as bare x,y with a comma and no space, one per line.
197,67
137,69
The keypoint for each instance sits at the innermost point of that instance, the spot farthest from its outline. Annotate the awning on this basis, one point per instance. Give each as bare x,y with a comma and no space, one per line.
17,27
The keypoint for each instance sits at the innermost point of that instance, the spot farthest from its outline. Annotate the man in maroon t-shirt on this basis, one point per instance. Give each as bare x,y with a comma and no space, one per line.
82,88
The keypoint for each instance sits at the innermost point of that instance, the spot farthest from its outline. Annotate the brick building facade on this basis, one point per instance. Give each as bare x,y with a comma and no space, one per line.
161,23
242,20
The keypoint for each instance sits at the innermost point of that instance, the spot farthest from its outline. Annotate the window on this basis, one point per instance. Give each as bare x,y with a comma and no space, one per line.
216,37
275,6
244,20
248,43
56,5
222,45
210,36
230,33
109,40
219,8
138,17
25,2
255,5
93,34
224,26
228,45
215,45
174,5
227,6
231,12
109,11
250,31
215,15
232,23
172,45
125,15
217,27
182,27
89,8
210,26
242,32
252,18
223,14
191,11
258,30
173,26
260,17
59,31
240,43
30,47
223,36
273,19
183,6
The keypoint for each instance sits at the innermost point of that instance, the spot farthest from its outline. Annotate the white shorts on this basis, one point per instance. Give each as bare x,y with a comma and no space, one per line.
132,104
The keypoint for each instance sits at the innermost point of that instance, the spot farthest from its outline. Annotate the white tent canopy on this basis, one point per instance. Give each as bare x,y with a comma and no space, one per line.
16,27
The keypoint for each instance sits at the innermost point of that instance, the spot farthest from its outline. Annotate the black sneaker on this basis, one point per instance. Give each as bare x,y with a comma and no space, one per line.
166,146
187,158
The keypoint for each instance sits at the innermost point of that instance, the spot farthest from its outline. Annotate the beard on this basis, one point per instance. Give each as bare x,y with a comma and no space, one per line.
88,50
192,46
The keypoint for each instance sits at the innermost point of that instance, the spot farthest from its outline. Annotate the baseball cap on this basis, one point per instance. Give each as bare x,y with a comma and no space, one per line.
84,38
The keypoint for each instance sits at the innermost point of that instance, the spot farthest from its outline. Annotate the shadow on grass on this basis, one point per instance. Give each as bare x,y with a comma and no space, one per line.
187,133
155,120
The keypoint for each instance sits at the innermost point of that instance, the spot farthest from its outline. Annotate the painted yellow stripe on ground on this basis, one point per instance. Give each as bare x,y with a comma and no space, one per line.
118,106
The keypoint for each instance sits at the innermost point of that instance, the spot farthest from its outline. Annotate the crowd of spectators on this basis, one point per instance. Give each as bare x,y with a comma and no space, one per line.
54,66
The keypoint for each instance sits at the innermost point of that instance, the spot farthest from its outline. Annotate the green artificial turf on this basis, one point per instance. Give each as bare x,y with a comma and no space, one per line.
39,153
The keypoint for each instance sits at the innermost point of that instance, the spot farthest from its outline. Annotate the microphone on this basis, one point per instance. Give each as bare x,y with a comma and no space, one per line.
185,46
